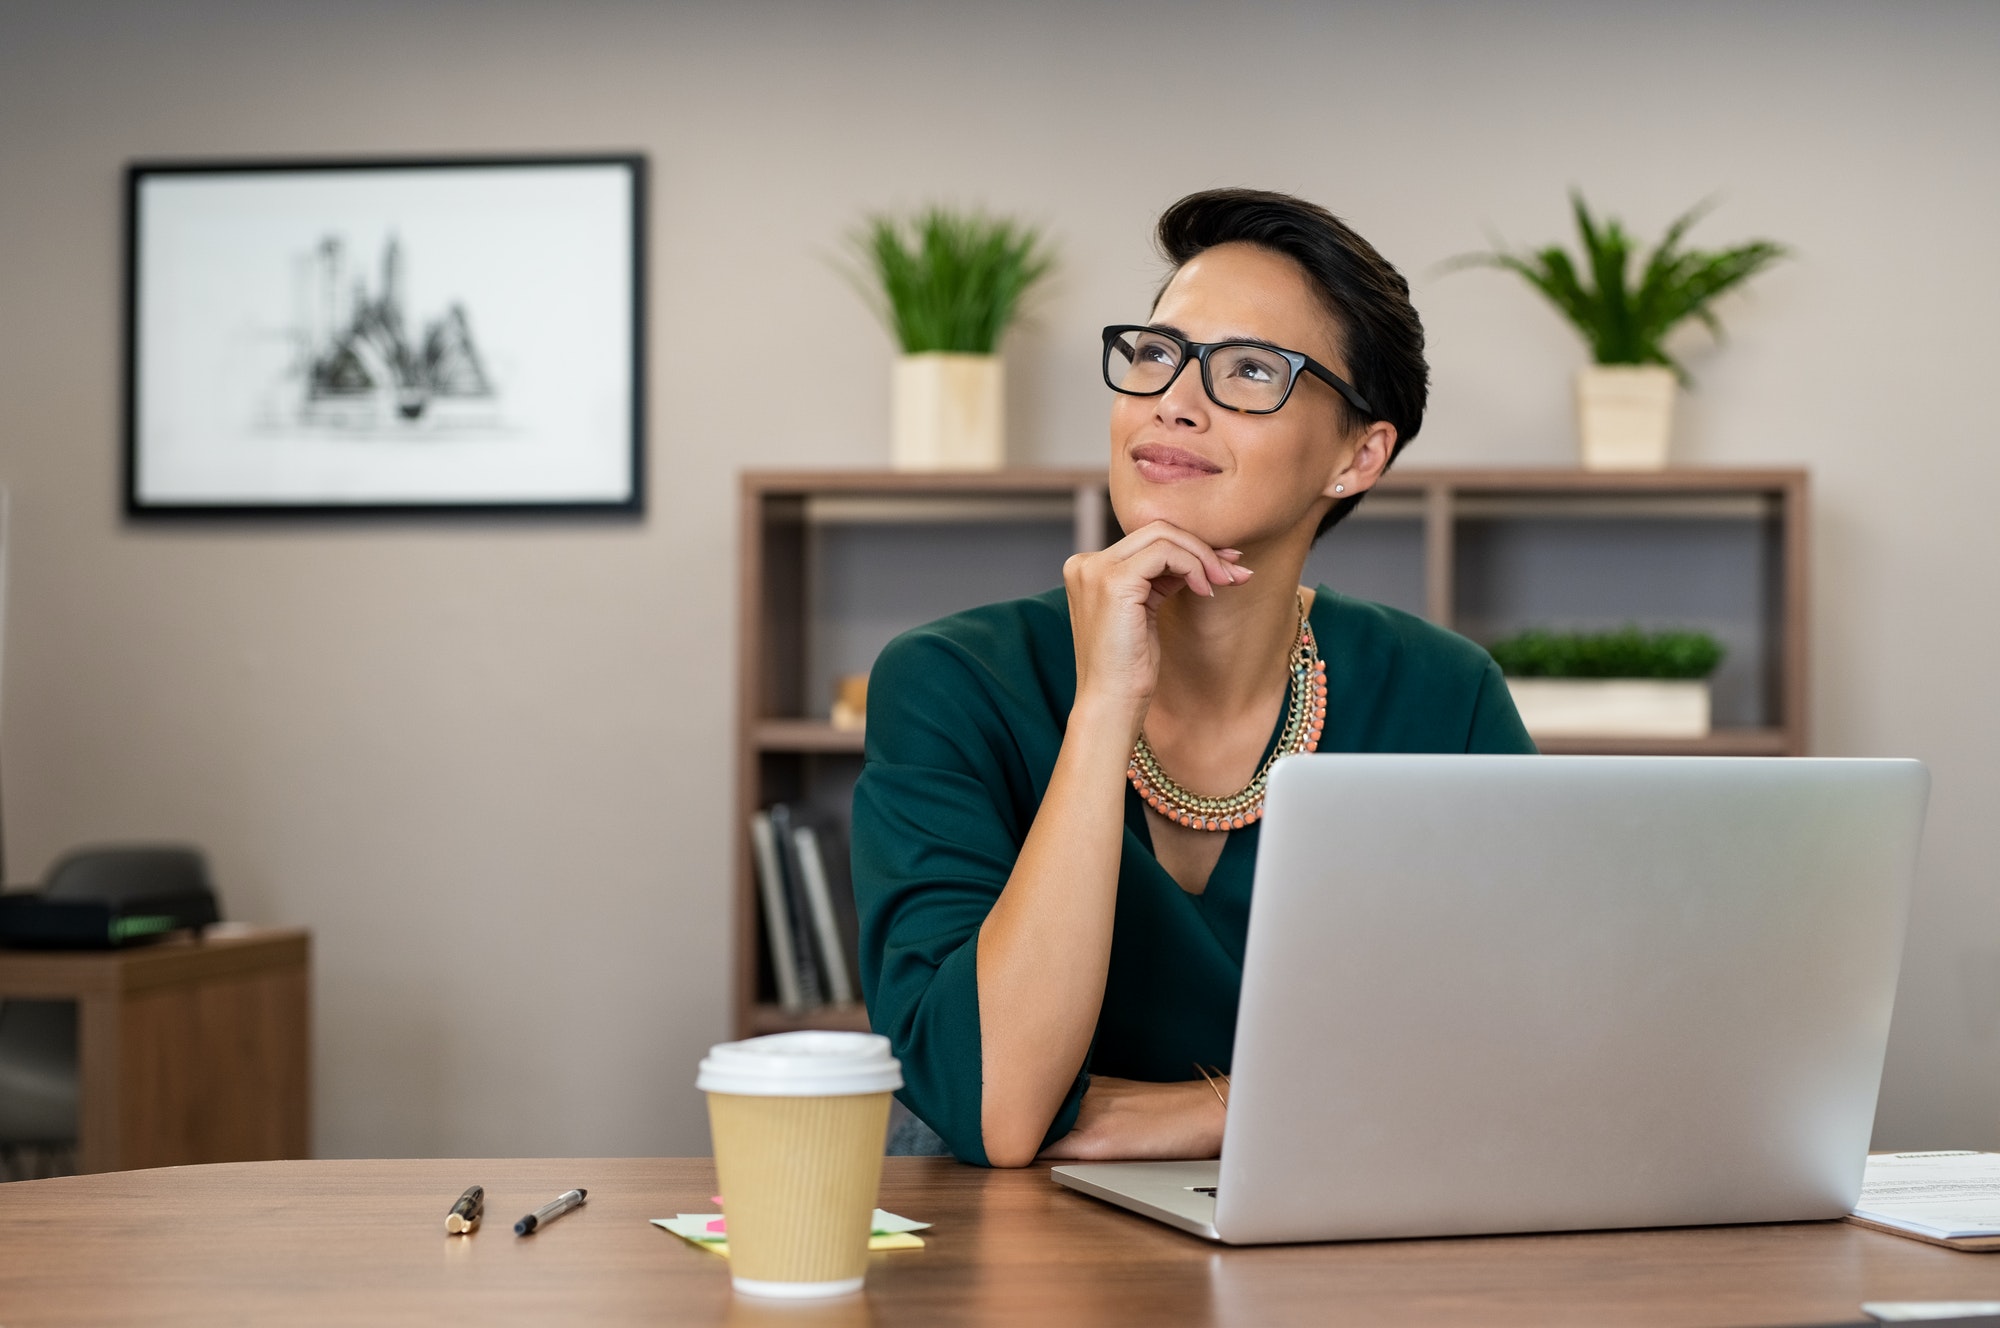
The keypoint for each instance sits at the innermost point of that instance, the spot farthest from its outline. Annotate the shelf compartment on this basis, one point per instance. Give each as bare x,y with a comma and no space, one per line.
866,583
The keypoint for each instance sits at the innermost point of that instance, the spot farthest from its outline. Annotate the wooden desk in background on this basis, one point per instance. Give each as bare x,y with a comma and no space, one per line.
364,1242
188,1051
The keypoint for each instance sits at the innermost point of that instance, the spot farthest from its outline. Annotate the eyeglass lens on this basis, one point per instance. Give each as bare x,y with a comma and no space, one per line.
1240,376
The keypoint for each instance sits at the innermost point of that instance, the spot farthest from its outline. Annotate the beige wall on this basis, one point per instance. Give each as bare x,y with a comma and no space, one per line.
487,762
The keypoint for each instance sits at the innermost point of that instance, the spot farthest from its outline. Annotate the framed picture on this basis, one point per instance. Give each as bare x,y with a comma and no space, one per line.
379,336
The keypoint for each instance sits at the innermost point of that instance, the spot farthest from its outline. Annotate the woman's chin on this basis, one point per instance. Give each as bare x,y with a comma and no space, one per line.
1181,515
1197,518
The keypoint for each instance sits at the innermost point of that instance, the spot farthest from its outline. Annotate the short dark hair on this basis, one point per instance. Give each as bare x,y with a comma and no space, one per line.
1381,337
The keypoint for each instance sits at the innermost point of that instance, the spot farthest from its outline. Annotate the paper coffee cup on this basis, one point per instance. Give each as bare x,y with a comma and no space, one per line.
798,1121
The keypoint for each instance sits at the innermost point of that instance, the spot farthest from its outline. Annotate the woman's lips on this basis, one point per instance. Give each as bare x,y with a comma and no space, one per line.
1163,464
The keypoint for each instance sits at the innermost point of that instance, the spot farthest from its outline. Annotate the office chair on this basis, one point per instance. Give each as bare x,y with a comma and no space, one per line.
38,1039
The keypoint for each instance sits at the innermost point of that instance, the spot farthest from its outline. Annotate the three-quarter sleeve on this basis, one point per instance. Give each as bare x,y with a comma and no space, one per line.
942,807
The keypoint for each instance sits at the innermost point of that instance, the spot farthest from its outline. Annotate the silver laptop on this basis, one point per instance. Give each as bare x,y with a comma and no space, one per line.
1489,994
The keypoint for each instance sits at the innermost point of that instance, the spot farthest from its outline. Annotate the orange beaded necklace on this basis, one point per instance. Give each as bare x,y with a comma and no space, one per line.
1305,717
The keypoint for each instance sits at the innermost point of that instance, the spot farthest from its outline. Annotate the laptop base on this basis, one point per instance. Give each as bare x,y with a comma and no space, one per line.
1181,1194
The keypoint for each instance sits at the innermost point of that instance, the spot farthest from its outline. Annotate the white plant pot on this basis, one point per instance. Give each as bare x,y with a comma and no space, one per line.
1625,415
947,412
1612,707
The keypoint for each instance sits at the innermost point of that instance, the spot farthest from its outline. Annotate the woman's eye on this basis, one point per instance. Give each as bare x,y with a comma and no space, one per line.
1154,352
1253,371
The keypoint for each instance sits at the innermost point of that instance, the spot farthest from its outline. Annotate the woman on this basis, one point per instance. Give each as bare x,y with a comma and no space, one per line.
1055,827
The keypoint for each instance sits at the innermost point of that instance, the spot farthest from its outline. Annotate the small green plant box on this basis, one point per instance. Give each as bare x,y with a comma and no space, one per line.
1625,653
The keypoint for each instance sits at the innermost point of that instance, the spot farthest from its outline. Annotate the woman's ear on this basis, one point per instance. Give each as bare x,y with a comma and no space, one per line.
1365,464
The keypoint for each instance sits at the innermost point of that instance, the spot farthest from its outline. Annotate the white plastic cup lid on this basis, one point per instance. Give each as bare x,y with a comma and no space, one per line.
803,1064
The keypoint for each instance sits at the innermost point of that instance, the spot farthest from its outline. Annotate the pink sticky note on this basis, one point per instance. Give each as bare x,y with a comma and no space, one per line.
715,1199
717,1225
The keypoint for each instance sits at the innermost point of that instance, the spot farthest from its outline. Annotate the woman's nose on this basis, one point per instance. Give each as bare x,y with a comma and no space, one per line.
1184,402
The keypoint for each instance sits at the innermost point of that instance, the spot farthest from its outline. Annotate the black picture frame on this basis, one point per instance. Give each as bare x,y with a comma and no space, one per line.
620,492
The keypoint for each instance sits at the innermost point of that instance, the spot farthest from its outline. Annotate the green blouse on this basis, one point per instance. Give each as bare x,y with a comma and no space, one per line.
965,718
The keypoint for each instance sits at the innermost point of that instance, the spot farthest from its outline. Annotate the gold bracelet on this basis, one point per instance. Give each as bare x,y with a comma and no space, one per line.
1212,1075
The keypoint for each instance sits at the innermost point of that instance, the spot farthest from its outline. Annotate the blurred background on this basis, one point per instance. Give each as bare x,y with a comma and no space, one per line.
489,763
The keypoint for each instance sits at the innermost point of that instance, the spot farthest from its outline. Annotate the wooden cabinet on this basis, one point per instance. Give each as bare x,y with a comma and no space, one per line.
188,1051
835,563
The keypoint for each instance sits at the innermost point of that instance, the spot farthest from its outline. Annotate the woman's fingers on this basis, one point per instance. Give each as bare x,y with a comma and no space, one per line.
1215,568
1203,569
1112,596
1169,560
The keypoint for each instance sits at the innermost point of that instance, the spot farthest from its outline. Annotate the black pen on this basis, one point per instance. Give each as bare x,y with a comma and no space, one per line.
465,1214
549,1212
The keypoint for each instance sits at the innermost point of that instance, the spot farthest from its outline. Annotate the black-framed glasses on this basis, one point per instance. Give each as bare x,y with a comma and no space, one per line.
1246,376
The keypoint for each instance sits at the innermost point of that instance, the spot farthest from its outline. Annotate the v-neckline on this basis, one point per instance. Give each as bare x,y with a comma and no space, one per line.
1231,850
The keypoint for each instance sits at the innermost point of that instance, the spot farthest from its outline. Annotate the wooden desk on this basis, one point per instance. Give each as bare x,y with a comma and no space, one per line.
364,1242
188,1051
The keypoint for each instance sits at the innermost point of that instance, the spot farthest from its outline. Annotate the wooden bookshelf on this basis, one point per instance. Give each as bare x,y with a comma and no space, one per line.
787,748
1439,535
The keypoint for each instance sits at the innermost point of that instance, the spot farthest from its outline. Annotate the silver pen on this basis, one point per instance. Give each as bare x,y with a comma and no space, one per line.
549,1212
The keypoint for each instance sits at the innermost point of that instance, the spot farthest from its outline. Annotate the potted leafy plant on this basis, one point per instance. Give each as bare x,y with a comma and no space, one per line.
1625,398
948,284
1624,684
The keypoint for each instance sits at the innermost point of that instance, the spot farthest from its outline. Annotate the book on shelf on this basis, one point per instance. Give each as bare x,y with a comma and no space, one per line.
777,914
833,950
798,913
832,834
810,924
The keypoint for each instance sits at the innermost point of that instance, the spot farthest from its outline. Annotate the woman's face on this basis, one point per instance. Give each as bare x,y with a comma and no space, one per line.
1231,479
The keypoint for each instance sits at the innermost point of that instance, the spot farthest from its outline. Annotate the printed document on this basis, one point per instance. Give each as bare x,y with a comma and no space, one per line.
1942,1195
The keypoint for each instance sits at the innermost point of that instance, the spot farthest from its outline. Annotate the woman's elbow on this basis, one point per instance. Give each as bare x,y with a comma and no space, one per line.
1010,1152
1012,1143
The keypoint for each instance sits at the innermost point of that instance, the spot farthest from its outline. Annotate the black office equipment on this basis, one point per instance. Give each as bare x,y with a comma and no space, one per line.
99,899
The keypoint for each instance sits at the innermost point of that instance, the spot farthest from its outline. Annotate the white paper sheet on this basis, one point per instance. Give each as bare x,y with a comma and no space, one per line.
1945,1195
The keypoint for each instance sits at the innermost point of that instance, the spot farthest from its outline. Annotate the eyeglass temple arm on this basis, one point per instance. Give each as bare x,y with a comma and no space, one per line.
1340,385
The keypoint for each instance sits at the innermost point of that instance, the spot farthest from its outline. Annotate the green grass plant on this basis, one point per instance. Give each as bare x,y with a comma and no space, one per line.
949,281
1623,322
1625,653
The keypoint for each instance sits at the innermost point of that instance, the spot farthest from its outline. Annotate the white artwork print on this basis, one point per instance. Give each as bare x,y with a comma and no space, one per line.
395,336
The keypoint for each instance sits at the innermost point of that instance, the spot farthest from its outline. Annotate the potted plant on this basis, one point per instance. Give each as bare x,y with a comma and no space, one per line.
1625,399
1621,684
948,284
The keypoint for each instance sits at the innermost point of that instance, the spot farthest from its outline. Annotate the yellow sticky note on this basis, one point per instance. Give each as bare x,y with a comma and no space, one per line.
693,1228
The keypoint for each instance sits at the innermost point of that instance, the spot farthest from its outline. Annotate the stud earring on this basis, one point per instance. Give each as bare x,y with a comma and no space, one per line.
1340,488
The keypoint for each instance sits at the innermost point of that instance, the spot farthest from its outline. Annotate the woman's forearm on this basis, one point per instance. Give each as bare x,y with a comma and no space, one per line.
1045,949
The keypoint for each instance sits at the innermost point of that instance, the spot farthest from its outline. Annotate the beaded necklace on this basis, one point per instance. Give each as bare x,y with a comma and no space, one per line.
1305,717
